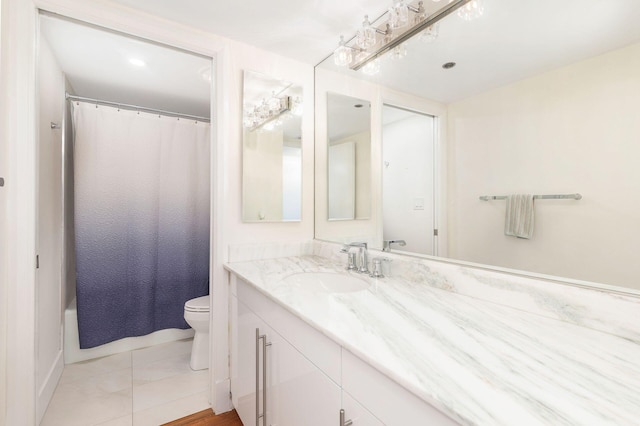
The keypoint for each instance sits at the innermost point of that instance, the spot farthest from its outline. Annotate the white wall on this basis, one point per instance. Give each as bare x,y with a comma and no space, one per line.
69,254
3,241
49,287
408,173
574,129
17,130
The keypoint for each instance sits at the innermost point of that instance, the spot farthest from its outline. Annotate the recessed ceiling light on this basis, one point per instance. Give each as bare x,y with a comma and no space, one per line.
137,62
358,106
449,65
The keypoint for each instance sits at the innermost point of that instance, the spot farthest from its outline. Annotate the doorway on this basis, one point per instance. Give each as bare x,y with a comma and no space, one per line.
409,179
106,70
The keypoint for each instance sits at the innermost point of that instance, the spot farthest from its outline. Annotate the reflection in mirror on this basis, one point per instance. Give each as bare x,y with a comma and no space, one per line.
348,158
408,180
271,150
521,119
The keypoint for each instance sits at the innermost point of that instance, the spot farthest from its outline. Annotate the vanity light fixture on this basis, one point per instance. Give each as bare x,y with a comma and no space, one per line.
271,113
364,54
472,10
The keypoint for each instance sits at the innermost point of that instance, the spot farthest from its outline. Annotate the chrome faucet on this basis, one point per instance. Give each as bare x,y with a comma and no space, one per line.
363,258
386,244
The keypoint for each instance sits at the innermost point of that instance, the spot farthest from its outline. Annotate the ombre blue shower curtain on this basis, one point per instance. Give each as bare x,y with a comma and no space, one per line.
141,220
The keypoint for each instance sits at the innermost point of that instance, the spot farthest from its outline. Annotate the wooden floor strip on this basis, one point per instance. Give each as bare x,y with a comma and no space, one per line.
208,418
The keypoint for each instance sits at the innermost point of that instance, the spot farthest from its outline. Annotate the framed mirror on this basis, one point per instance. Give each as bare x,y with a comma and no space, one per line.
523,102
348,157
271,149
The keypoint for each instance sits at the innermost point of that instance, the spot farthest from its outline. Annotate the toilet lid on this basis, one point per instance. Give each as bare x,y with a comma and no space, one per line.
199,304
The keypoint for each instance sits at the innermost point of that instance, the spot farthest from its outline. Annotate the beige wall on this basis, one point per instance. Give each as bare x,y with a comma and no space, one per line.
574,129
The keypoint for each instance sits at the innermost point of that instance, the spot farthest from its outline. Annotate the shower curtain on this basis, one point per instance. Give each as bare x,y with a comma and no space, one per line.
141,220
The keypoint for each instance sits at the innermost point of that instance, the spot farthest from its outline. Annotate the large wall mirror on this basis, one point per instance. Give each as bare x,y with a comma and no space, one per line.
537,98
271,150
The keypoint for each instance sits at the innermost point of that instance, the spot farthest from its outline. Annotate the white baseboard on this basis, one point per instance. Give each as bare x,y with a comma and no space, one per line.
221,400
45,393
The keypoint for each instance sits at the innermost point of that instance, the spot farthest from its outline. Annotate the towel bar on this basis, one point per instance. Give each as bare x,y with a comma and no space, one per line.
536,197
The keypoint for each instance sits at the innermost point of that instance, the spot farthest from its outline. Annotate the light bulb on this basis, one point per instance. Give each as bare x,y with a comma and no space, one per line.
342,55
399,51
372,68
275,104
366,36
430,34
398,14
472,10
420,15
298,108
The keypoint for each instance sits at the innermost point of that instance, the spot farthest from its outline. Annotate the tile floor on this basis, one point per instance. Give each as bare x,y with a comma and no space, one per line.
147,386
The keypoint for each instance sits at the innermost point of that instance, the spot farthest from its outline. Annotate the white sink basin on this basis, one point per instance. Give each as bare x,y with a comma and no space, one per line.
328,282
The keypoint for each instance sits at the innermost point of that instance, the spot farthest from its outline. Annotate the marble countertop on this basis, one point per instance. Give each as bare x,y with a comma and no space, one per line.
479,362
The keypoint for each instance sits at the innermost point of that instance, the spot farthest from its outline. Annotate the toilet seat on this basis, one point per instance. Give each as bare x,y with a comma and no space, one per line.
199,304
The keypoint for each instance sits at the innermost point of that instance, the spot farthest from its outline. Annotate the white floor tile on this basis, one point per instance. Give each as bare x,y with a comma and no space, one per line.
93,410
160,392
120,421
172,410
142,357
161,369
95,367
145,387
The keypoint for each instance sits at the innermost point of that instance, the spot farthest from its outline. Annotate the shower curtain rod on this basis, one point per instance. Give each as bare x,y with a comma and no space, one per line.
136,108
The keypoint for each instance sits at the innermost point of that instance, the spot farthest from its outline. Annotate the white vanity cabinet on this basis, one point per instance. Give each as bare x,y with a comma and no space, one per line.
309,377
389,402
297,392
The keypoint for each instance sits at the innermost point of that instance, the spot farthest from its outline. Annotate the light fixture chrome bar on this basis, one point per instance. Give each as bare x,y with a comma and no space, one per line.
285,108
136,108
536,197
431,20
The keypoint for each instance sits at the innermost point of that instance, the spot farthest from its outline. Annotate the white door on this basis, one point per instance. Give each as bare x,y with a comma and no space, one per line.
408,180
49,244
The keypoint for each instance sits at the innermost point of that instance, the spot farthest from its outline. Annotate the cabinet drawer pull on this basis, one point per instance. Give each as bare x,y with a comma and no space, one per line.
262,337
344,422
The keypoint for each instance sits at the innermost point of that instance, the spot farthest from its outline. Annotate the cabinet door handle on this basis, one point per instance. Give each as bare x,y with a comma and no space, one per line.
262,337
344,422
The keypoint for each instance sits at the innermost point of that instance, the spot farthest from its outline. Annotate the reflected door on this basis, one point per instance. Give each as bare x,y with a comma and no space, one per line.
408,179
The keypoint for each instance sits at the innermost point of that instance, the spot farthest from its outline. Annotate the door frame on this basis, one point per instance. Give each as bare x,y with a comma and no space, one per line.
438,111
19,49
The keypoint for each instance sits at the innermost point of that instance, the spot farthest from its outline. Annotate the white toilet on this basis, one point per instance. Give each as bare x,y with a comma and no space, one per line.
196,314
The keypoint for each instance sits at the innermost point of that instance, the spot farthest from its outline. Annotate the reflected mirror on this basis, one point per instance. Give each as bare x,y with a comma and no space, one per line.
348,157
536,98
271,150
408,181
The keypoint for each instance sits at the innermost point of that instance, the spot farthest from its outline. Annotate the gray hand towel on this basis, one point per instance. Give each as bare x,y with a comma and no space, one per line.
518,220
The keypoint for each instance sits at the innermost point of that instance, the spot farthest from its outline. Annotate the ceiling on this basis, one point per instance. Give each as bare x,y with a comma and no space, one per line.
514,39
347,116
97,65
307,30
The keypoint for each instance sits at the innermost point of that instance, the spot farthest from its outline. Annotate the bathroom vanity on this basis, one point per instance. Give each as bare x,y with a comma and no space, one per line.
410,349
